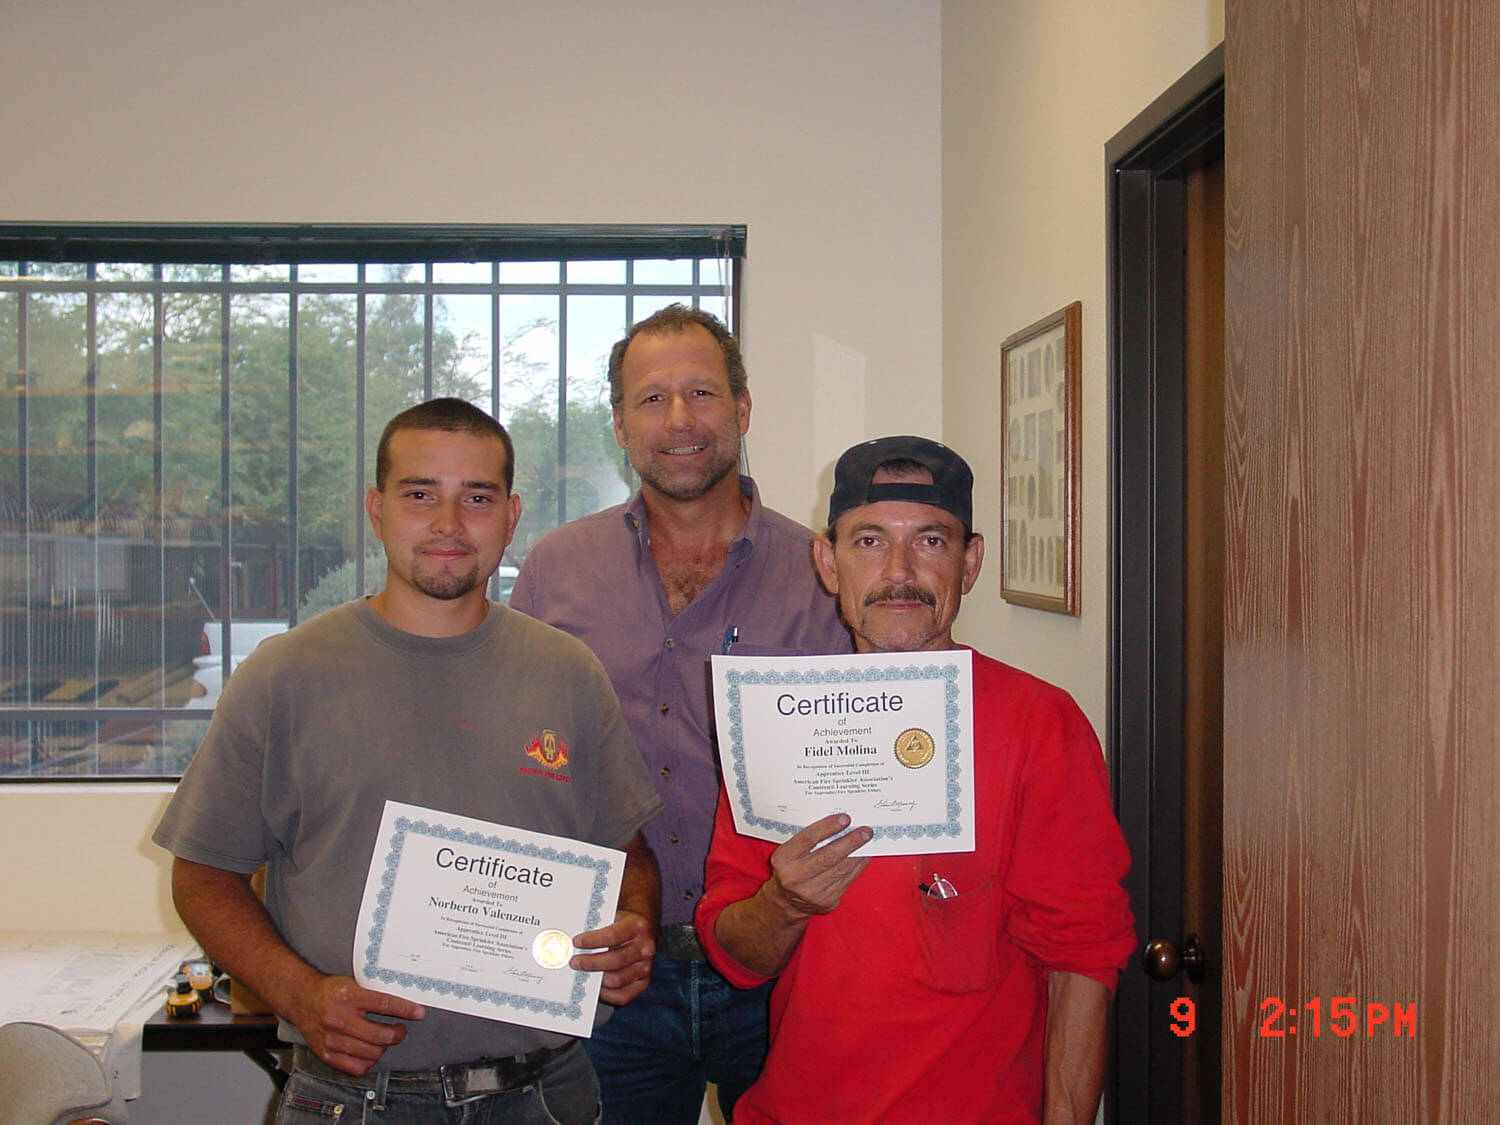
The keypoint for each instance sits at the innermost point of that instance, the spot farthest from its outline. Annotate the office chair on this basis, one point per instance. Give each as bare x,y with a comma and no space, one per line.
49,1078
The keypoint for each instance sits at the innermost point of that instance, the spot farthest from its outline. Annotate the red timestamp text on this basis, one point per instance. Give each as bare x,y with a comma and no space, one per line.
1339,1015
1281,1019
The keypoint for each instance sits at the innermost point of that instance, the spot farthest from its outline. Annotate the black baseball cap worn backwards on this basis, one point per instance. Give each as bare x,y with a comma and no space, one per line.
952,487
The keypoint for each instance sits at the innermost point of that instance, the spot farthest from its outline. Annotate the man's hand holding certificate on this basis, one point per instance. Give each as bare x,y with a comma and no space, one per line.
480,918
886,738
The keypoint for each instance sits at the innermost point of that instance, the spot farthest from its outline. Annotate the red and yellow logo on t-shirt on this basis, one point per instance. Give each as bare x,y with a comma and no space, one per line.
548,749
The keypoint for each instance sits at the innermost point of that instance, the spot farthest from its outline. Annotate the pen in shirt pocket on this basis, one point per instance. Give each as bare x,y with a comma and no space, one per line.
731,635
938,888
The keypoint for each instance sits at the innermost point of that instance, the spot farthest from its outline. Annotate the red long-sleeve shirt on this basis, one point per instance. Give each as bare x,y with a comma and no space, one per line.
900,1007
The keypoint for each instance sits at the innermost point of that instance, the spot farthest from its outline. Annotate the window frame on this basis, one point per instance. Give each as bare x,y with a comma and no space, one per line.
32,246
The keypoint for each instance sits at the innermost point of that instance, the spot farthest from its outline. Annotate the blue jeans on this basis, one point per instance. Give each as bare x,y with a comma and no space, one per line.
690,1027
566,1093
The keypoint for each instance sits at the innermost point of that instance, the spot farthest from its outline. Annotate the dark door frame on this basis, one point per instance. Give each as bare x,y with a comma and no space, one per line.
1147,162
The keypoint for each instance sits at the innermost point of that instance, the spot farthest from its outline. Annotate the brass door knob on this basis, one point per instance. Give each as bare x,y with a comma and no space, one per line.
1162,960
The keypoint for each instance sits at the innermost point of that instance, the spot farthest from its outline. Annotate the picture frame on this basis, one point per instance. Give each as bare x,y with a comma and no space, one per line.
1041,372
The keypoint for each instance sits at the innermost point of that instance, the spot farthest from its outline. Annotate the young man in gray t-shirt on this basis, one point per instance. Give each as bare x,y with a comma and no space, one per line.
428,694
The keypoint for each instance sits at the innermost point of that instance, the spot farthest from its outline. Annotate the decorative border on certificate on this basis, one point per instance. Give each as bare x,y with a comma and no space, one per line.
952,752
404,826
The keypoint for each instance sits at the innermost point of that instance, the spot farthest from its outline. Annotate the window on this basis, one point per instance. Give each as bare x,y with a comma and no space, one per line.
188,425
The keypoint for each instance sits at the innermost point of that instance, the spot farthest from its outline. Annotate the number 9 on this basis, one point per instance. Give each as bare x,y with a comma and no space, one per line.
1186,1017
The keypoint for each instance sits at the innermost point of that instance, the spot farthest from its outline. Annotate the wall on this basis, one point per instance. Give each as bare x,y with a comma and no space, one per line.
817,128
816,124
1031,94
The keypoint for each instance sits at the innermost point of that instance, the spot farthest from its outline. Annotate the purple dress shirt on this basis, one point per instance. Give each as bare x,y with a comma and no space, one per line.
596,578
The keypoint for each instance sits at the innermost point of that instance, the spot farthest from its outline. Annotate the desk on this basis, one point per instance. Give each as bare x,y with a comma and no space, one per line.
93,983
216,1028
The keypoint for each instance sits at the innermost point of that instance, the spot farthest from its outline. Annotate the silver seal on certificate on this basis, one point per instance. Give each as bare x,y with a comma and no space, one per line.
914,748
552,949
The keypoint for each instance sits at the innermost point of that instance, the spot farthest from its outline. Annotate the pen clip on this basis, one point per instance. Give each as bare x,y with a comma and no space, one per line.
938,888
731,636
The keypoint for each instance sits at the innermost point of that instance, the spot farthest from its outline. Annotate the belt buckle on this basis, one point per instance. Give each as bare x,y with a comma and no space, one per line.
463,1082
680,941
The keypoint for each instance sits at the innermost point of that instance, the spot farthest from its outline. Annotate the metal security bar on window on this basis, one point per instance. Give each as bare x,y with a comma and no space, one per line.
188,423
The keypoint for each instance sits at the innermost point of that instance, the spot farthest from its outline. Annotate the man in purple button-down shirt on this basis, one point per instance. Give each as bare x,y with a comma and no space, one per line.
692,565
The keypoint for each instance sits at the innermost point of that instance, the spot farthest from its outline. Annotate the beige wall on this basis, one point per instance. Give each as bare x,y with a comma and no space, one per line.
814,124
1031,94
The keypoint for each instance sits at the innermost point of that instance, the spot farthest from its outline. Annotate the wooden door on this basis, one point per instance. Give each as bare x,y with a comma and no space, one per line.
1362,667
1166,571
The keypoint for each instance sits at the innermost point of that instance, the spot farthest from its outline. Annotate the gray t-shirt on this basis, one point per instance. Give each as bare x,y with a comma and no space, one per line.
319,727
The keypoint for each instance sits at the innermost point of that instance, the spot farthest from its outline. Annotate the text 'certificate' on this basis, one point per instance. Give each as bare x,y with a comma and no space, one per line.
886,737
479,918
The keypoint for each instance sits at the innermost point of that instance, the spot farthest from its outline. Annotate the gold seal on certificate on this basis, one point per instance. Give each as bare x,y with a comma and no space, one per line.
552,949
914,748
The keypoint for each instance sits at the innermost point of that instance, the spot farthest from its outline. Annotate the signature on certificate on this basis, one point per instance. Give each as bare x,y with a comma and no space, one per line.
898,806
529,978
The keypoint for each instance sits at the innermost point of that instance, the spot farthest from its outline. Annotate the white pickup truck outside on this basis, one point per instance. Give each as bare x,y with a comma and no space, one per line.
208,669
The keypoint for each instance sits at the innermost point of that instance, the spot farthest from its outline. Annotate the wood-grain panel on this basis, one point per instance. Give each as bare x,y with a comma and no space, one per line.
1362,606
1203,624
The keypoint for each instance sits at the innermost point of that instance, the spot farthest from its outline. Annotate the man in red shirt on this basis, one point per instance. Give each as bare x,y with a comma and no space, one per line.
979,996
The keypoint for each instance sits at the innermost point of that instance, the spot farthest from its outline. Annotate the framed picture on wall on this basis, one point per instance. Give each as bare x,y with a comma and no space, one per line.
1040,377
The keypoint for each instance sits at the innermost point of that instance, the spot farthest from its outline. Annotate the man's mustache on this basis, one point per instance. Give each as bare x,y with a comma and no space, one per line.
900,594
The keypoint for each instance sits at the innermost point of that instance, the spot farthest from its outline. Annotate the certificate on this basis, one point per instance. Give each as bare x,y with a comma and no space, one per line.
479,918
886,737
